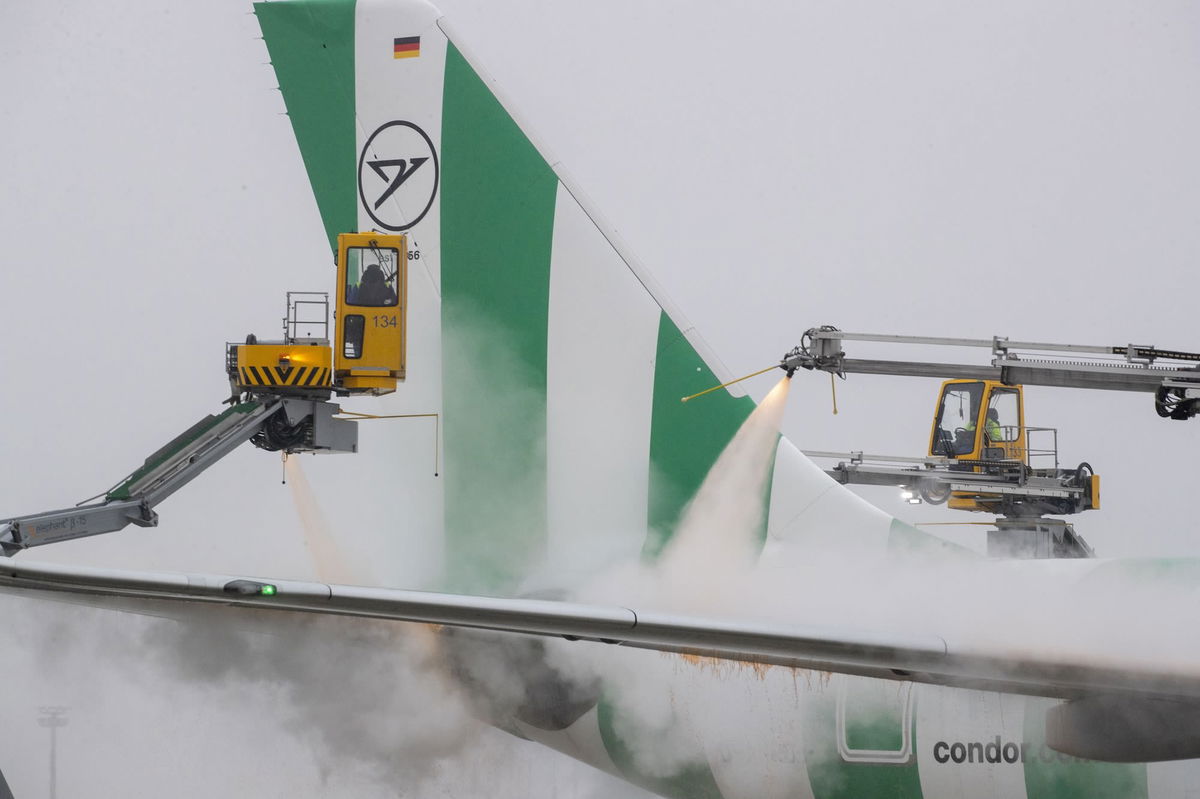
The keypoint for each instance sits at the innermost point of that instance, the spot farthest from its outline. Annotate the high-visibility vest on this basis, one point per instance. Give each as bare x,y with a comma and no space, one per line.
993,430
990,426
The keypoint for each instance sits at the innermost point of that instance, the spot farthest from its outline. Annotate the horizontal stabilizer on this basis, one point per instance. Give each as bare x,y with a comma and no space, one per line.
919,658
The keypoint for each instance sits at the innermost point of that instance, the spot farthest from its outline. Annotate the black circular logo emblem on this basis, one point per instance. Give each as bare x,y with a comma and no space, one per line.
397,175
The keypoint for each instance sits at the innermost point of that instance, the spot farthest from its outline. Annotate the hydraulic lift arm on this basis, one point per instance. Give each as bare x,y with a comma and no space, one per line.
1020,497
293,425
981,455
1132,367
279,392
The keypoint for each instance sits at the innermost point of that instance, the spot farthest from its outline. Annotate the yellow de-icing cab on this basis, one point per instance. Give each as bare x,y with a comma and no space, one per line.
368,346
372,304
978,420
981,424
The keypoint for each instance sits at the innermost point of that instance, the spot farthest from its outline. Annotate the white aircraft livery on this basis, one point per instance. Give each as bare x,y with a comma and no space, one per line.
671,592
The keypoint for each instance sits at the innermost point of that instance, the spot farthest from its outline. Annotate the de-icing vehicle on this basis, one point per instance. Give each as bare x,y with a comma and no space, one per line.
979,428
280,392
982,455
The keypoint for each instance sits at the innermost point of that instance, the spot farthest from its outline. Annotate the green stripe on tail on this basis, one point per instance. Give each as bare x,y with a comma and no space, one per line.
312,49
497,208
685,438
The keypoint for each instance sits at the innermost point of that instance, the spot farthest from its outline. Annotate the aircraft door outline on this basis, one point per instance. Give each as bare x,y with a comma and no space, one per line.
904,755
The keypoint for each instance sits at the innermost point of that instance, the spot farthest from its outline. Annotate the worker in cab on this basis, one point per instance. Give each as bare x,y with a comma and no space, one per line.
992,428
374,290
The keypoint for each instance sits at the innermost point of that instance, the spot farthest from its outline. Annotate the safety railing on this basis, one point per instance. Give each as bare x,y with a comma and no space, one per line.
307,317
1047,438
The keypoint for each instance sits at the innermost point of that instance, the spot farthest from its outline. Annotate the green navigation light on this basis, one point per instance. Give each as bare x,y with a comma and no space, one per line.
268,590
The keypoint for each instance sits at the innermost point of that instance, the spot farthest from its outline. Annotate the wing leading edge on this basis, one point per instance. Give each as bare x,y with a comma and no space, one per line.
919,658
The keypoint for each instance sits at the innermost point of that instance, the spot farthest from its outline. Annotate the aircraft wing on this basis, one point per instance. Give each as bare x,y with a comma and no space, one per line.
921,658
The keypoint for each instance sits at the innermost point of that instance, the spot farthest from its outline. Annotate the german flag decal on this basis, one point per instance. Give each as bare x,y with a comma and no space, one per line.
407,47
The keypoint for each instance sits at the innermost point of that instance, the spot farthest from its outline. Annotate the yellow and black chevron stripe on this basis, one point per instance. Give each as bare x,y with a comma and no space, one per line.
294,376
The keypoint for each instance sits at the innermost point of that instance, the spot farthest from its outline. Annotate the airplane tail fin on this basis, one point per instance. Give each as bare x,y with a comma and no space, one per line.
5,791
555,358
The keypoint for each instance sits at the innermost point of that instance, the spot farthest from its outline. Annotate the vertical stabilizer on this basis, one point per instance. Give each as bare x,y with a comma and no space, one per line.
5,791
554,357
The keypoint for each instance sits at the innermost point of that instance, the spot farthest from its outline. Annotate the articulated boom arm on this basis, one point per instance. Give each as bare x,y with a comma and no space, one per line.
1021,497
272,423
1132,367
279,393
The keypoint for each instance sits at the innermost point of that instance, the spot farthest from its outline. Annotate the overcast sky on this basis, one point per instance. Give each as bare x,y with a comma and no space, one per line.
933,168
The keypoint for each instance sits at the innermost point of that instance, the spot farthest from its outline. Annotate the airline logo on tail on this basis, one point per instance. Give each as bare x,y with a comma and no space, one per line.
397,175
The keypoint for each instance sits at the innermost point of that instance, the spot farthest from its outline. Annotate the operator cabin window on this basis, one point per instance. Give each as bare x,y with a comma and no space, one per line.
371,274
1004,403
955,429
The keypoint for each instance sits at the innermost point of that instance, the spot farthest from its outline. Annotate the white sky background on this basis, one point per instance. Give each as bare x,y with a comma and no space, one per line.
921,168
